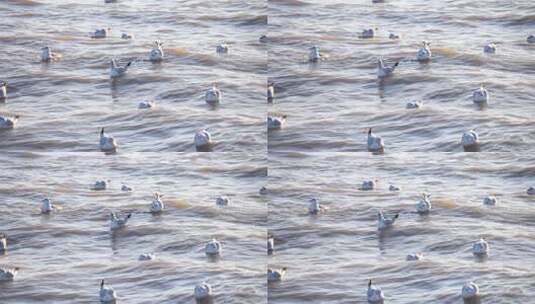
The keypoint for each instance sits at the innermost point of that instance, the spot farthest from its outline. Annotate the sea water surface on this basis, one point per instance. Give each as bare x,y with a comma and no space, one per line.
64,255
330,104
62,105
331,256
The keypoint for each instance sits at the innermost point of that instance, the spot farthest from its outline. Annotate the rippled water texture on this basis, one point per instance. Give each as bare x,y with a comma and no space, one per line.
330,257
63,256
329,104
64,104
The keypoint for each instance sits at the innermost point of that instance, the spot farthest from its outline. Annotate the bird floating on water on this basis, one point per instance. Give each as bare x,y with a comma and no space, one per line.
424,204
8,123
384,222
147,104
263,39
213,95
117,222
270,244
374,294
368,33
3,242
100,185
270,91
490,200
100,33
531,39
393,36
415,256
3,90
276,122
202,291
203,140
481,248
156,54
315,207
263,191
481,96
118,71
424,53
222,200
126,36
276,275
470,141
383,70
394,188
470,291
489,48
157,205
375,142
107,142
414,104
125,188
368,185
106,294
47,55
213,247
222,48
8,274
530,191
46,206
147,257
314,54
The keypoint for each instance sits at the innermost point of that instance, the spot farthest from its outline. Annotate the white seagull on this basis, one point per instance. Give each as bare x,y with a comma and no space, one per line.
222,200
490,200
100,185
147,257
157,205
213,95
47,55
531,191
3,242
374,294
270,91
384,222
3,90
276,122
415,256
213,247
314,54
375,142
394,188
481,95
315,207
118,71
489,48
107,294
369,33
148,104
470,290
276,275
383,70
222,48
100,33
118,223
270,244
368,185
8,123
202,291
424,204
156,54
531,39
424,53
470,141
46,206
202,140
8,274
481,248
414,104
107,142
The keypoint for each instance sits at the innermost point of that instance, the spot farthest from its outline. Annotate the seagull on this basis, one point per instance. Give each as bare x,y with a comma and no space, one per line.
203,140
46,206
374,294
424,53
263,39
107,294
276,122
126,188
375,142
213,247
147,104
270,92
369,33
489,48
481,95
202,291
368,185
100,185
156,54
415,256
126,36
424,204
47,55
213,95
531,39
385,222
222,48
315,207
383,70
100,33
147,257
393,36
3,89
394,188
263,191
8,123
117,71
490,200
270,244
470,141
8,274
276,275
314,54
531,191
107,142
118,223
469,291
222,201
3,242
414,104
481,248
157,205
